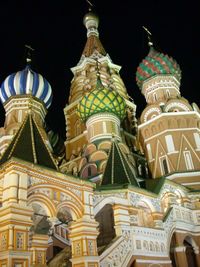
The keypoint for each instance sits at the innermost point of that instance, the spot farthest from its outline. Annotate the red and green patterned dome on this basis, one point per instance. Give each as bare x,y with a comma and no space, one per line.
101,100
156,63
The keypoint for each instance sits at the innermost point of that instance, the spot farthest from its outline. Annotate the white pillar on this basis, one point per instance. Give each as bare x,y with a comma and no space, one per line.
10,188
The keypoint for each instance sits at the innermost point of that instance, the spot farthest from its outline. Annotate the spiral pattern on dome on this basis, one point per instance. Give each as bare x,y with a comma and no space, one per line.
26,82
100,101
156,63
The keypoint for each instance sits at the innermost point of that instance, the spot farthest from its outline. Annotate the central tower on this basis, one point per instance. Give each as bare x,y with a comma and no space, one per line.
99,107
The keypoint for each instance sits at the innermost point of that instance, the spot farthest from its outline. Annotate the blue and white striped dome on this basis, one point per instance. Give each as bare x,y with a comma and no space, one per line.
26,82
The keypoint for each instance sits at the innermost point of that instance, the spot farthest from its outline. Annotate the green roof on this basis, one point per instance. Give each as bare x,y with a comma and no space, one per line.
28,145
155,185
118,170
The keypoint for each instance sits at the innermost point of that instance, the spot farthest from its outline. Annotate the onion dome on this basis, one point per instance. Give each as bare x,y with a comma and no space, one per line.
26,82
101,100
156,63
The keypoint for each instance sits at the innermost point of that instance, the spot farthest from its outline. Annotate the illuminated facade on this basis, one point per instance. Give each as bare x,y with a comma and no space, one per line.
120,192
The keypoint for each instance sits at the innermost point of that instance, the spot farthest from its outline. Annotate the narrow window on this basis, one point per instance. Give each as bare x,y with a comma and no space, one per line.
168,93
197,140
164,165
169,143
104,127
155,97
188,160
149,151
89,171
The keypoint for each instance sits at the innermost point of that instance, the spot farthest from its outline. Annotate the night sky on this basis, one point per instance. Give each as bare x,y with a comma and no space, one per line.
56,32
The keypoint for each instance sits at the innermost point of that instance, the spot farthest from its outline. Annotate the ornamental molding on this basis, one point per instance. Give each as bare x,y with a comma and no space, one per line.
135,199
35,181
63,196
168,115
43,186
63,182
167,187
102,116
152,203
149,233
175,105
92,60
98,198
151,110
19,102
120,253
134,241
162,81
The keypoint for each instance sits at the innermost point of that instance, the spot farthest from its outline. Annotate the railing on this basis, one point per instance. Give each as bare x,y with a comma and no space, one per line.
137,240
61,233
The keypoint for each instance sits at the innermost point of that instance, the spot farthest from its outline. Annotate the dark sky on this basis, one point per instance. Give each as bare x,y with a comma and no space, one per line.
56,31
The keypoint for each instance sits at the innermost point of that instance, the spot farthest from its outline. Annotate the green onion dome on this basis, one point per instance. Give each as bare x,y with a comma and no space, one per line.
156,63
101,100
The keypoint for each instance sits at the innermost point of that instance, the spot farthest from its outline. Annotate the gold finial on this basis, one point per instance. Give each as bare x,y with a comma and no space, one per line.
149,35
90,5
29,52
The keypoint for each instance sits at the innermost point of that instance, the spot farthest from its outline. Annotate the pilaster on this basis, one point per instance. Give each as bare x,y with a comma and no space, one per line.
83,234
39,245
181,259
157,217
122,218
15,221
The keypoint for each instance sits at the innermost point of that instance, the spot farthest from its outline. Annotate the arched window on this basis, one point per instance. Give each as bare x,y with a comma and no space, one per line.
164,165
188,160
190,255
106,226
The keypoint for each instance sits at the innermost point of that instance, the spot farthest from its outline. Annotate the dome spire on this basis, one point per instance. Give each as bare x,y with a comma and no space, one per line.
29,53
90,5
149,35
156,63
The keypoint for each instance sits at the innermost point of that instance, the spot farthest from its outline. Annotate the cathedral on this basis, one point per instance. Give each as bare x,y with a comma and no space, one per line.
119,191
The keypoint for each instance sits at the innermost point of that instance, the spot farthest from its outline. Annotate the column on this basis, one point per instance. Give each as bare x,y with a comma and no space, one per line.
180,256
121,217
11,237
83,234
10,188
22,192
157,217
197,256
39,245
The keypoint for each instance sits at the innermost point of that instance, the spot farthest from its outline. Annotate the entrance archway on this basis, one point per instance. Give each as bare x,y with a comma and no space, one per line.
189,251
172,250
106,226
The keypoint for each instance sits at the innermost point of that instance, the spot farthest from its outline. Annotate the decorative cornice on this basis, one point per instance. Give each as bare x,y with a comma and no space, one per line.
44,173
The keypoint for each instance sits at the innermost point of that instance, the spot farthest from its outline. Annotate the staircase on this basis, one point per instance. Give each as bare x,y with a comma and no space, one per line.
60,239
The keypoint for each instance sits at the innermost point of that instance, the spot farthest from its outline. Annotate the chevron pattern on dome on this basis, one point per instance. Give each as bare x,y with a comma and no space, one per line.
100,101
26,82
156,63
